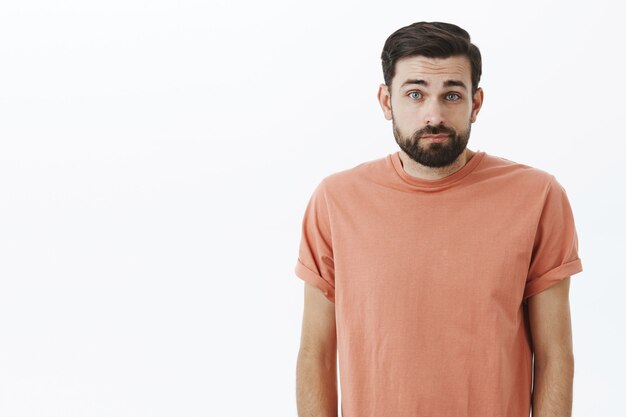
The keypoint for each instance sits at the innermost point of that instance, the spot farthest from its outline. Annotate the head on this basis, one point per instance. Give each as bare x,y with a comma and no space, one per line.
431,72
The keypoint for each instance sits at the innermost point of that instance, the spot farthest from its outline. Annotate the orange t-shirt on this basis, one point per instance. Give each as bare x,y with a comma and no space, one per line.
430,280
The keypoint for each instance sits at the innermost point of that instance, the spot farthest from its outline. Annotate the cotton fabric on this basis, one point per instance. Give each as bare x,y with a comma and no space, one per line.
430,280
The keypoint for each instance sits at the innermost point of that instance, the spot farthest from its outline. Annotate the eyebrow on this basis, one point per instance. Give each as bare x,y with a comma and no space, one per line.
447,83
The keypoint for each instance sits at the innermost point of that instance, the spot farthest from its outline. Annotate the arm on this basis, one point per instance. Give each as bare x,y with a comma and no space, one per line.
316,370
550,325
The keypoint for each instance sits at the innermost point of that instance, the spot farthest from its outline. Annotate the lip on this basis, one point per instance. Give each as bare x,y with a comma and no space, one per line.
441,136
436,138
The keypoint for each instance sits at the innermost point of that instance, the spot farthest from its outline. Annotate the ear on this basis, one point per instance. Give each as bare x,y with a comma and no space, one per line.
384,99
477,103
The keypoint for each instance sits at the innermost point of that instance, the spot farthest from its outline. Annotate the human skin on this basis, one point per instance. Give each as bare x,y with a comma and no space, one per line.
551,329
316,368
414,106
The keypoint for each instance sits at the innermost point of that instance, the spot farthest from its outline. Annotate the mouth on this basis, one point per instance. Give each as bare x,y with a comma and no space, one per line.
436,138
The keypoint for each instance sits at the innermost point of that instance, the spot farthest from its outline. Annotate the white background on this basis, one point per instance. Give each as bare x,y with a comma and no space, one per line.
156,158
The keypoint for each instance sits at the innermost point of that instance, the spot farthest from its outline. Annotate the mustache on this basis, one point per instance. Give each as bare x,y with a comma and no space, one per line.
434,130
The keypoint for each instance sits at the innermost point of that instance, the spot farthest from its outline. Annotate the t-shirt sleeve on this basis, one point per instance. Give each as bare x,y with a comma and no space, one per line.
555,249
315,258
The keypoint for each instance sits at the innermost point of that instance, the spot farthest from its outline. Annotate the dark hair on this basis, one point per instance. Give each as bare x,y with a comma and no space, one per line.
432,40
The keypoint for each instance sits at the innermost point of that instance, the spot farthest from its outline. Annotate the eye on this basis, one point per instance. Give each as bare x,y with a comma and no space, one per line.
454,94
414,92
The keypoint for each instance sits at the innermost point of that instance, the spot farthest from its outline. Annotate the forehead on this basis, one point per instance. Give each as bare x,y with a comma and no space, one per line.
433,70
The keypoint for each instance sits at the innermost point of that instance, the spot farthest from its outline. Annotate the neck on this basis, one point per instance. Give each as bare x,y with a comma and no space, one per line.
420,171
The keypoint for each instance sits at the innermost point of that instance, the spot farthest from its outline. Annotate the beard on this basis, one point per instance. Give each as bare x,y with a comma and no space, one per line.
433,154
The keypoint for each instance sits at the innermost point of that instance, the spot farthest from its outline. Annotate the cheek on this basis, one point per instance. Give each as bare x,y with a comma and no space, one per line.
461,118
407,115
407,123
403,124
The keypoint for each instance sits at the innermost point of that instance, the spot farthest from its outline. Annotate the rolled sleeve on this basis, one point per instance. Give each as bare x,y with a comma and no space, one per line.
555,249
315,262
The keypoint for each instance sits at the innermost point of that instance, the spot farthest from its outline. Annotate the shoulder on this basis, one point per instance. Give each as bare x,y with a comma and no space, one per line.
517,174
346,179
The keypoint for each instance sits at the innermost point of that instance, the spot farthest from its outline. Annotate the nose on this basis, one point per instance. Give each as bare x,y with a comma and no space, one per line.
434,115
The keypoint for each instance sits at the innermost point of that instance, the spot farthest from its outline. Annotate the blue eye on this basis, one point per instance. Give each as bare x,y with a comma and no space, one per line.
414,92
454,94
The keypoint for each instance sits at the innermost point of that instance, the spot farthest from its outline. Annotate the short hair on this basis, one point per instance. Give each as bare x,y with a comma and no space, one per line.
432,40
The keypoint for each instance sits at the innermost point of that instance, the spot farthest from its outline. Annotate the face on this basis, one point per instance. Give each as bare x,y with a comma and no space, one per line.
431,96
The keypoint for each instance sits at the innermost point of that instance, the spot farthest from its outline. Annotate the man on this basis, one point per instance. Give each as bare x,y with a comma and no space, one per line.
436,272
